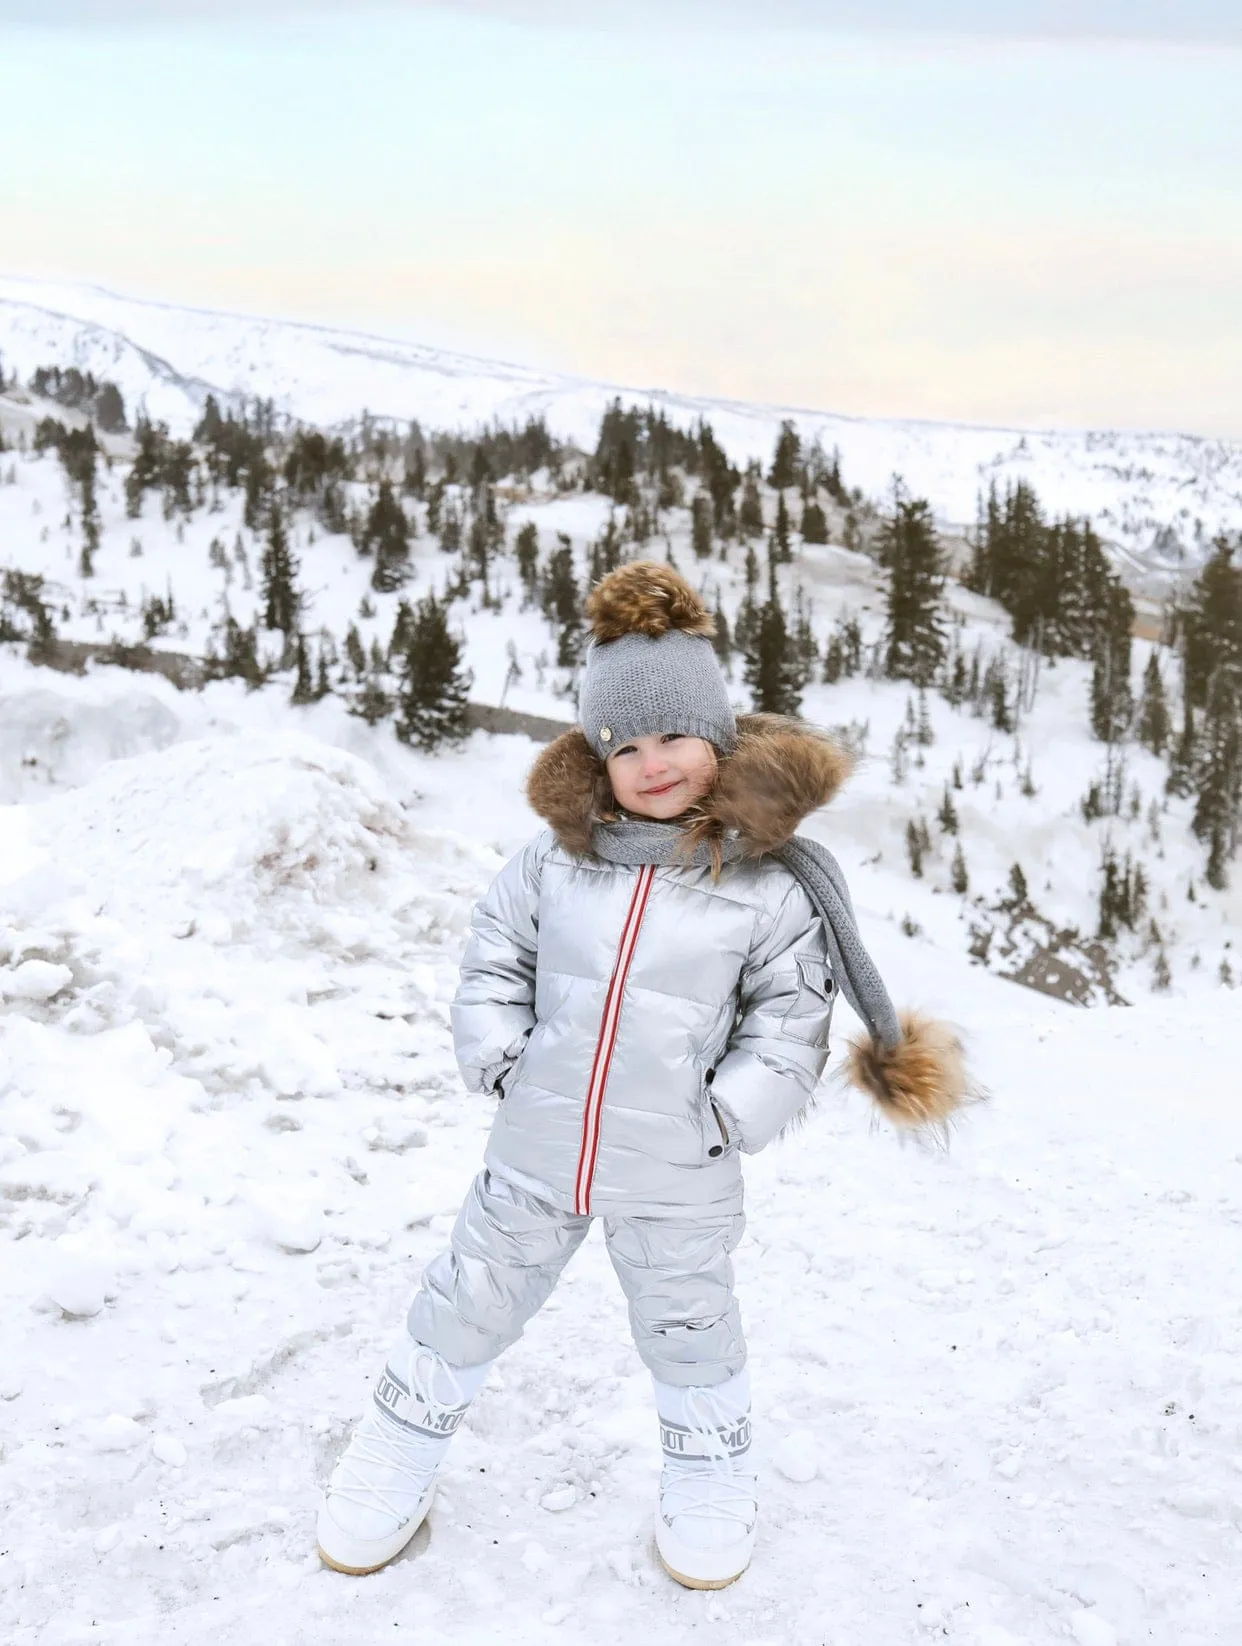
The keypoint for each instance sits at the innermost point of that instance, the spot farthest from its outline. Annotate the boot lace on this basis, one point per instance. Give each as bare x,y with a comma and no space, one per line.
712,1488
384,1464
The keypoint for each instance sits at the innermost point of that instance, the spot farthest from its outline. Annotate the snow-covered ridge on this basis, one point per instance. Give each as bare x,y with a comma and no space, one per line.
1157,497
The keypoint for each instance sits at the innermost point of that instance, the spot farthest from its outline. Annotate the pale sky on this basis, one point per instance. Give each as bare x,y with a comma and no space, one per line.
1027,213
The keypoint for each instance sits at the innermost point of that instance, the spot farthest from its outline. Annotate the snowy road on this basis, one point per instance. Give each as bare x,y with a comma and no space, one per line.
998,1389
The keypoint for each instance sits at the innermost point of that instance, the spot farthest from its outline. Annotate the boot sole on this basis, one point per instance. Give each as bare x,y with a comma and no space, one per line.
698,1582
365,1571
354,1571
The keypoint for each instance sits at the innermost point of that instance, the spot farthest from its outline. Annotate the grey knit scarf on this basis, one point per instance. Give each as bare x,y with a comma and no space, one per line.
633,841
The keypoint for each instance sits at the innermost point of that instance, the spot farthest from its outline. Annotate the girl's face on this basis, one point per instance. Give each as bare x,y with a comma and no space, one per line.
661,775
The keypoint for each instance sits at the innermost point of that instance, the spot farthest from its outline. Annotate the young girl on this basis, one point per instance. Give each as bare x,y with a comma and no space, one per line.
647,990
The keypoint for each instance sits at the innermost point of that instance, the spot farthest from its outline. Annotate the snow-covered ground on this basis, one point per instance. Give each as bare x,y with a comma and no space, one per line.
999,1392
999,1388
167,359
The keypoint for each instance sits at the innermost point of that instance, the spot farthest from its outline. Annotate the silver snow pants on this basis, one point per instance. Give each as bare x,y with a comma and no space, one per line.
507,1252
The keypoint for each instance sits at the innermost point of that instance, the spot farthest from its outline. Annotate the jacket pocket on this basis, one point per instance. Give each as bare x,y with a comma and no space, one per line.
810,1012
716,1139
506,1078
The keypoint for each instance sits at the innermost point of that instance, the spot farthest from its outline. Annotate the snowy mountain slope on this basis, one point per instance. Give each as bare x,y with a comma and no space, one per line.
45,741
1134,485
997,1387
48,737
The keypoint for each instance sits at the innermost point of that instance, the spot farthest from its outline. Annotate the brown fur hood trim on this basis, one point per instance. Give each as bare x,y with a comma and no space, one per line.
646,597
569,788
780,772
922,1081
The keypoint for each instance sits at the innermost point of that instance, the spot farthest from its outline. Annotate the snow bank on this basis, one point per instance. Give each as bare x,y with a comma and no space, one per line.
236,921
51,740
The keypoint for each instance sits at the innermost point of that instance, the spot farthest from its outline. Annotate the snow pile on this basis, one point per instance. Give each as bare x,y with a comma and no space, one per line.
251,835
49,739
246,921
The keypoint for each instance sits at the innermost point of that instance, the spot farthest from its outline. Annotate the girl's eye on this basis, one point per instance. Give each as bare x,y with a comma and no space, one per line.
628,749
671,737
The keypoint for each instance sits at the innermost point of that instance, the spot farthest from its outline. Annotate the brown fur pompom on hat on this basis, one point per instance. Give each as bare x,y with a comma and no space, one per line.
921,1081
650,667
648,598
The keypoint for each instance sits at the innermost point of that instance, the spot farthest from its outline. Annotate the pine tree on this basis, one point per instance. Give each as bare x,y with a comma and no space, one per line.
1184,759
354,652
750,515
918,844
785,460
1211,623
303,685
259,501
281,600
605,554
924,735
563,604
240,659
915,644
1112,702
1218,777
722,640
701,525
805,648
947,814
527,550
373,701
843,653
751,571
1153,719
1109,897
780,549
386,535
746,626
402,629
772,671
450,527
435,505
814,524
960,880
431,697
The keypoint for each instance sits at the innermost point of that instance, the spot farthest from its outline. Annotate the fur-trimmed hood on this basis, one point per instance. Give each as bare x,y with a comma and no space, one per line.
780,772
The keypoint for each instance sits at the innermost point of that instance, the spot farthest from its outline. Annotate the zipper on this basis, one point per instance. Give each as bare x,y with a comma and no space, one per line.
609,1022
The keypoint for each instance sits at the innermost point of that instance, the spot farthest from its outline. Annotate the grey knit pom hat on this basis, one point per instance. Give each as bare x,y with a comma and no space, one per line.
650,666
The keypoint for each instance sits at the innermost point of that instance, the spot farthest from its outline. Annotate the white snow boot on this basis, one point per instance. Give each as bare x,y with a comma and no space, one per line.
708,1510
382,1487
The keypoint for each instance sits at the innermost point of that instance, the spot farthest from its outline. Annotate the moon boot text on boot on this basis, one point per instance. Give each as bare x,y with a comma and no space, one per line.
708,1509
382,1487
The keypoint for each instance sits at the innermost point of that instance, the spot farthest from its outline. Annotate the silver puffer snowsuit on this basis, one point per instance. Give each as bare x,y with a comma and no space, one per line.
642,1022
640,1026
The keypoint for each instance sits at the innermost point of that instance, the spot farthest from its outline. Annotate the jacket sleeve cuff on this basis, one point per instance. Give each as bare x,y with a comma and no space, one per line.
484,1077
756,1101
